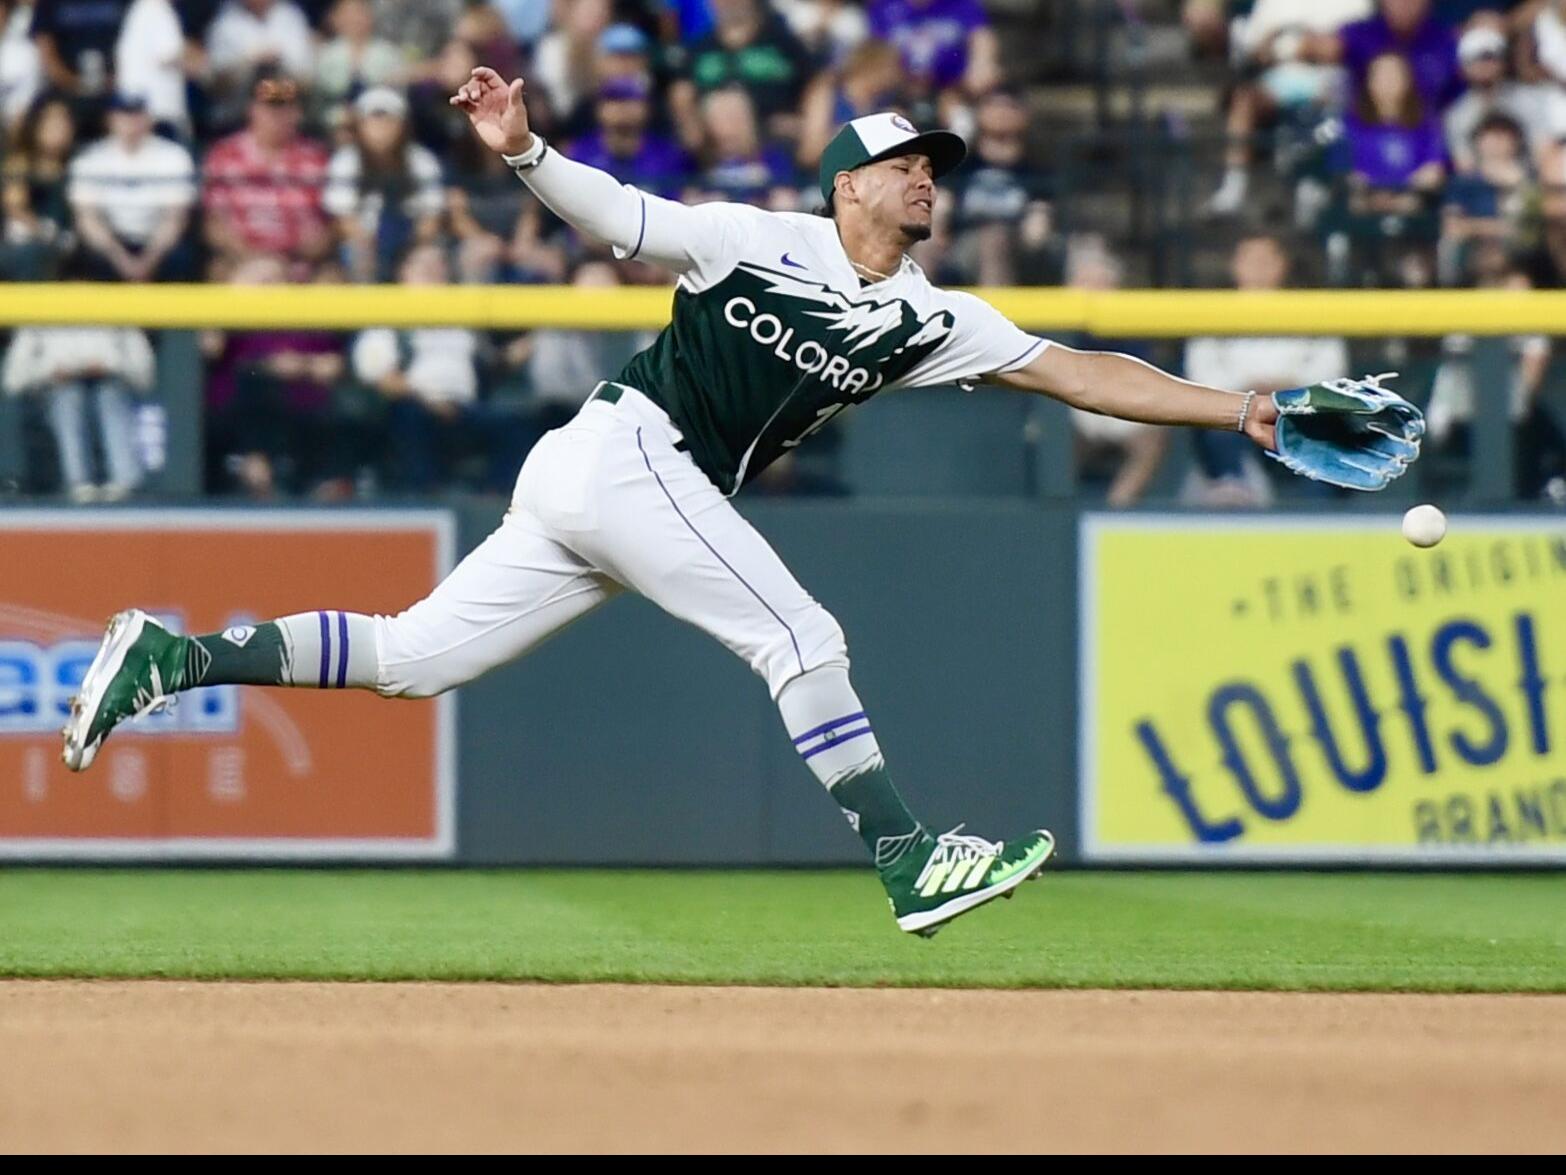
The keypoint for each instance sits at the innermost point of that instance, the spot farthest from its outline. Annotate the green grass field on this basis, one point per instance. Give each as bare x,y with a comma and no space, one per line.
1324,932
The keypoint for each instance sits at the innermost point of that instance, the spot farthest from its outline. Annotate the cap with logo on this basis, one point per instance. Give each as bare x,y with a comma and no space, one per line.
885,136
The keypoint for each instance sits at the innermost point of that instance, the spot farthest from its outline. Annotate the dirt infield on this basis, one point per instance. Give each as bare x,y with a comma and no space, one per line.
290,1067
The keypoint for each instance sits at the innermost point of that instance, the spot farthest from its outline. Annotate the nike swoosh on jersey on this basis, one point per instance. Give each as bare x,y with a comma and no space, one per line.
793,264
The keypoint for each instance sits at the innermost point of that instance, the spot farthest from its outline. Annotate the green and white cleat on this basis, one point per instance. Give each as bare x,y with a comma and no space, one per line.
941,877
128,678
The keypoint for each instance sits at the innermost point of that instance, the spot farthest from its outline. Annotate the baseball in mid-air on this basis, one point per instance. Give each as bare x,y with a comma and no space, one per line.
1424,526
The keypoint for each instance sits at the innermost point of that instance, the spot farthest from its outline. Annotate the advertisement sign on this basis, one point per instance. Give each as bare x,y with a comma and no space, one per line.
228,771
1317,690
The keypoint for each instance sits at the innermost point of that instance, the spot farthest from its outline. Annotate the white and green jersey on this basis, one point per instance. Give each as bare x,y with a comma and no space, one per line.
773,333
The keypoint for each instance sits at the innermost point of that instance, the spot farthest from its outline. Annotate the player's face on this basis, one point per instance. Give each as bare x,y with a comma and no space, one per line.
899,193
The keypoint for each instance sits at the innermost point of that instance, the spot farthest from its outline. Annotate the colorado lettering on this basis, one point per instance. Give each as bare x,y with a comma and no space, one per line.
809,356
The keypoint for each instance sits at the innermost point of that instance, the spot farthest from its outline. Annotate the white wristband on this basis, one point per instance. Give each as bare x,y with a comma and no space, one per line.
1245,411
528,160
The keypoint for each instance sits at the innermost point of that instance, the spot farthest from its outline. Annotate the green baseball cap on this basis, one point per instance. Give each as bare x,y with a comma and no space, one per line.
884,136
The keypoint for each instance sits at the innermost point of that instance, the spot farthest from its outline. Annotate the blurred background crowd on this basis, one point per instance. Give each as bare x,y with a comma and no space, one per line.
1255,143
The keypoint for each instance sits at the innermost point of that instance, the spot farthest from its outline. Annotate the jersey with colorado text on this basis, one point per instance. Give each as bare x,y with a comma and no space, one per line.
773,334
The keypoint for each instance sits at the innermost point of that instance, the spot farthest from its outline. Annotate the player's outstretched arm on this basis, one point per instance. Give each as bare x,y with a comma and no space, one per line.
592,201
1120,385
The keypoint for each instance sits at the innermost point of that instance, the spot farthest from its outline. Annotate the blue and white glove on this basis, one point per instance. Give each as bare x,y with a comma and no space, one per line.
1348,432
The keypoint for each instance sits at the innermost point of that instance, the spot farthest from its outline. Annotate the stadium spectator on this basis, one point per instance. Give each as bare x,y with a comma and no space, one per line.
261,190
38,224
948,46
626,147
437,124
21,72
869,80
421,27
830,29
999,211
483,27
564,61
88,378
1497,201
131,194
384,191
1540,110
355,59
563,366
1410,29
1229,474
738,165
249,35
623,54
1396,158
1278,79
1549,39
150,59
75,40
1130,453
1539,447
751,46
269,399
430,380
526,20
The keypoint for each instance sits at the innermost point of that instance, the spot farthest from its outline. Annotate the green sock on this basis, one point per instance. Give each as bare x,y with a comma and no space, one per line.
870,801
216,659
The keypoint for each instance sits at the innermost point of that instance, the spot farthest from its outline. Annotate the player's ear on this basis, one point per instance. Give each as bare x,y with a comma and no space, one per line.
842,185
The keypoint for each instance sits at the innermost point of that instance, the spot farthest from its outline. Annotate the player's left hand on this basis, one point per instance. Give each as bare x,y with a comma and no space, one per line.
1261,424
1347,432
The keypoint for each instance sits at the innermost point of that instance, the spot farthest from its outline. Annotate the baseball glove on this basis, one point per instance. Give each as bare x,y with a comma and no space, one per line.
1348,432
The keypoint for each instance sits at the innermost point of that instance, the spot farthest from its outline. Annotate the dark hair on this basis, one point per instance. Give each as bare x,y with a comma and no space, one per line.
24,143
391,174
1412,112
1496,121
829,209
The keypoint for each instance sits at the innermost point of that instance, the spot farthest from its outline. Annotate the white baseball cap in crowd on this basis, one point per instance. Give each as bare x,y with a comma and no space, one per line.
381,100
1481,41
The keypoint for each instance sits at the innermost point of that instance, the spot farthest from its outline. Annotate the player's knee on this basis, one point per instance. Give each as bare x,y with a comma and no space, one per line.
813,642
407,665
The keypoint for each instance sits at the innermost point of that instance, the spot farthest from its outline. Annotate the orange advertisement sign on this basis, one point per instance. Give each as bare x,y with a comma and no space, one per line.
229,771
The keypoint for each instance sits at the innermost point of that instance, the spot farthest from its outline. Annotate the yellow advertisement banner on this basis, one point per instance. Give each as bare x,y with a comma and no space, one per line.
1318,690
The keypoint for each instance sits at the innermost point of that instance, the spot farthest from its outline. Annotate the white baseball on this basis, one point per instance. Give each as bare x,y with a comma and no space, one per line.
1424,526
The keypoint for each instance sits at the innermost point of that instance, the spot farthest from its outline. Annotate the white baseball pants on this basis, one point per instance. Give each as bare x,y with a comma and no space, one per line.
605,503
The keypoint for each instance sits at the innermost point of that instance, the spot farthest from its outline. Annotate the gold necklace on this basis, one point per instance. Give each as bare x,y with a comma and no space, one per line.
875,273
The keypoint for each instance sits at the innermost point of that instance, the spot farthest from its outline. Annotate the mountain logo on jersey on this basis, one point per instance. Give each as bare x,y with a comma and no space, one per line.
820,331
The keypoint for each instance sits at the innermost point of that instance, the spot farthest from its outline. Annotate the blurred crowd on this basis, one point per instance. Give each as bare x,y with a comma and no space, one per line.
1417,143
288,141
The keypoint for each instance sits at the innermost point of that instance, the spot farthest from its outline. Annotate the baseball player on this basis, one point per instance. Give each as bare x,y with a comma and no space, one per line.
780,322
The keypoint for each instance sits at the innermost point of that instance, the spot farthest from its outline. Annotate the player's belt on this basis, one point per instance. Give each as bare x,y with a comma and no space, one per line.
608,392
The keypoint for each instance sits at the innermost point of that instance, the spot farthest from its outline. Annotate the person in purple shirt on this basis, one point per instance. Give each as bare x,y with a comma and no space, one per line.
1397,155
623,145
1407,27
945,43
739,165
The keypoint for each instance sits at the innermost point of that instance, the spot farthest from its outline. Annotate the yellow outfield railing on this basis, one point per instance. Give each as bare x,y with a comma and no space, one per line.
1121,313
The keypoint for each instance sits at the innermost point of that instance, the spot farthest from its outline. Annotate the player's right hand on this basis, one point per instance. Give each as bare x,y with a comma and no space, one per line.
496,111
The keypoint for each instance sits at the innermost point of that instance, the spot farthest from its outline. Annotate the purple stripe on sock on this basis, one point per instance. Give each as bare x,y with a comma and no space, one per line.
326,647
826,726
342,639
849,736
